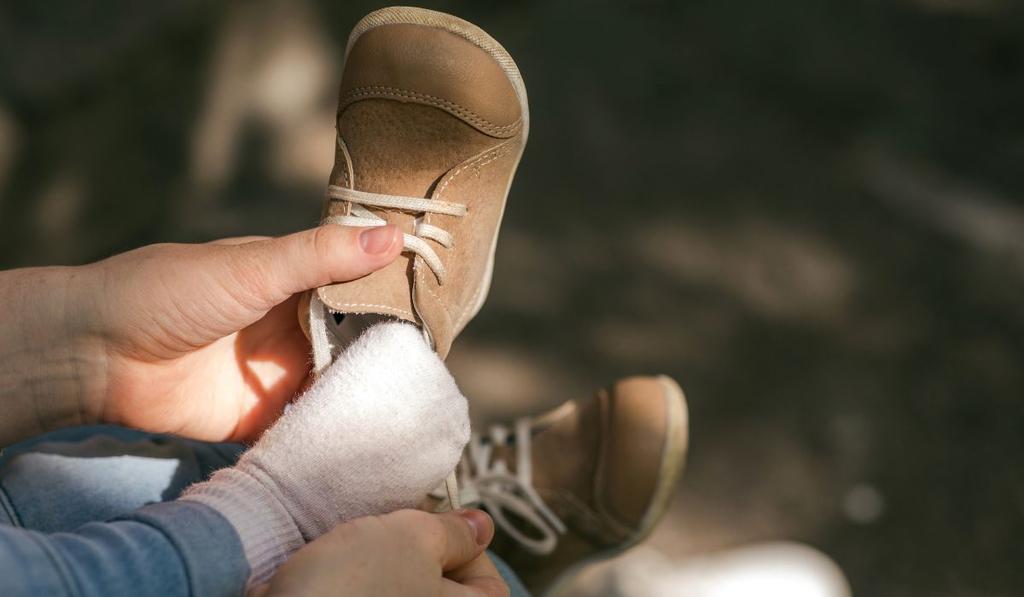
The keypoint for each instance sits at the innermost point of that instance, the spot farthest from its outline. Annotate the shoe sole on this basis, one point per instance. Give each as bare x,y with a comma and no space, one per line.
673,456
408,15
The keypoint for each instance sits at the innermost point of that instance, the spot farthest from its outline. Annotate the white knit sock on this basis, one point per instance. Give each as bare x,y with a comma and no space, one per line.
382,426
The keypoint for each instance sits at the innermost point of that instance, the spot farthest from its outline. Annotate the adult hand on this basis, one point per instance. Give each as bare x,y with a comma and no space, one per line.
198,340
407,552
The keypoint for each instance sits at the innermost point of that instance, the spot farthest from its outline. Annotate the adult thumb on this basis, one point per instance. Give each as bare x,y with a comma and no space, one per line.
274,269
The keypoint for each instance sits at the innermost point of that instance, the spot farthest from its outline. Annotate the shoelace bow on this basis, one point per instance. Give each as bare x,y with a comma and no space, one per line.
360,215
488,481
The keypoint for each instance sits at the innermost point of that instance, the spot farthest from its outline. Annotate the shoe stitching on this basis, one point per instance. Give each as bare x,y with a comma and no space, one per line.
472,300
388,308
457,109
348,163
492,154
479,162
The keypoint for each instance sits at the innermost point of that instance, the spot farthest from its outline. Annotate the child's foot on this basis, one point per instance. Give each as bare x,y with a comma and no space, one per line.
367,438
583,482
432,120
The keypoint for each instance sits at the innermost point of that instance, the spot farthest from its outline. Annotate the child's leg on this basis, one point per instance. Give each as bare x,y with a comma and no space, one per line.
62,480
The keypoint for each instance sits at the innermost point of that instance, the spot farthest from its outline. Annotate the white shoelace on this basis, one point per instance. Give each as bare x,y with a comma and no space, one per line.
416,242
489,482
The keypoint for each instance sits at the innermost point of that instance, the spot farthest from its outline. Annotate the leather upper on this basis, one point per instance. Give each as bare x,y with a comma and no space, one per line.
424,112
435,67
606,467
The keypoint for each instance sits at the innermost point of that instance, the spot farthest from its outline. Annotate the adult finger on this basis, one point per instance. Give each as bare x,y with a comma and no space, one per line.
451,539
479,577
469,532
277,268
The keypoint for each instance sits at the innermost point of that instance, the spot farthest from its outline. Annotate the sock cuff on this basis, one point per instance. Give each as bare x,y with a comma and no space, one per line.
267,531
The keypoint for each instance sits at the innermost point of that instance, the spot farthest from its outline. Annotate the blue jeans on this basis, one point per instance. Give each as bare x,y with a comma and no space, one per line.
91,511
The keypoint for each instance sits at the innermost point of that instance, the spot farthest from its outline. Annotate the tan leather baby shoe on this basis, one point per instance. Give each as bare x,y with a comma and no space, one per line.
432,120
583,482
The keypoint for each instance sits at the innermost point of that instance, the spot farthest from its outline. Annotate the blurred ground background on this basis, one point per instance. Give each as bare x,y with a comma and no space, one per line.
808,212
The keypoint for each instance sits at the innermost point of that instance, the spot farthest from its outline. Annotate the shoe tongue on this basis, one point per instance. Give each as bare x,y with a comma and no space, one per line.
384,292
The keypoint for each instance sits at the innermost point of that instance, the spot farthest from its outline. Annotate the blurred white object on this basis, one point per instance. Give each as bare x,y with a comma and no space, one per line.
763,570
863,504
